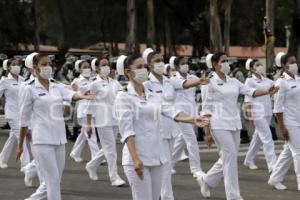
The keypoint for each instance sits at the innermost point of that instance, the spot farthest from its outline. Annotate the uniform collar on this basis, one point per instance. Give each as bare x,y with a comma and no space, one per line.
256,78
152,78
9,76
131,91
178,75
83,78
288,77
98,78
217,77
38,84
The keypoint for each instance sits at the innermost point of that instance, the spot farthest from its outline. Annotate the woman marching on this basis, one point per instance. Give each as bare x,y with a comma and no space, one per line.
221,103
105,90
43,99
259,111
82,84
10,88
138,114
287,111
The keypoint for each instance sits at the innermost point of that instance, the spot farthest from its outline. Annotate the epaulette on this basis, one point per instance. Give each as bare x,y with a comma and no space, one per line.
94,79
53,81
31,82
210,75
124,89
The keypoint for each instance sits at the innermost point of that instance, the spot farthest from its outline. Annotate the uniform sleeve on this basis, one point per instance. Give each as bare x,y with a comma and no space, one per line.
248,99
168,110
168,91
279,99
176,82
208,99
125,114
26,107
245,90
91,104
240,76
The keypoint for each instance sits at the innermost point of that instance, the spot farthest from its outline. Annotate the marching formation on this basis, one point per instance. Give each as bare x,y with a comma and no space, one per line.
153,108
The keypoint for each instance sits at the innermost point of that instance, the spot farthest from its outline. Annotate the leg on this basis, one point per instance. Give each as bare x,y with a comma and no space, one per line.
141,189
294,143
166,189
92,142
190,139
7,149
108,142
156,181
253,149
179,146
78,145
46,157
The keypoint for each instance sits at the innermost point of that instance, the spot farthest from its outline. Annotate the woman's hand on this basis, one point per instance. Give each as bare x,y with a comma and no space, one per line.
201,121
139,168
251,123
285,133
203,81
208,137
273,90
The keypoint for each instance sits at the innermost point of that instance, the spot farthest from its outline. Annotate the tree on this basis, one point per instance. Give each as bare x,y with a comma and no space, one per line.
131,25
215,27
269,32
36,25
227,21
294,47
150,24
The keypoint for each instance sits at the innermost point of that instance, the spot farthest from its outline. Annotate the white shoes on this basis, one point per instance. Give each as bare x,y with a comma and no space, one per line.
251,166
27,181
3,165
299,187
118,182
183,157
197,174
173,171
92,173
23,169
76,159
204,188
277,186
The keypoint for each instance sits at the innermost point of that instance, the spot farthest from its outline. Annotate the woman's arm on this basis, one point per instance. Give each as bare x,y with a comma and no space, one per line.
23,132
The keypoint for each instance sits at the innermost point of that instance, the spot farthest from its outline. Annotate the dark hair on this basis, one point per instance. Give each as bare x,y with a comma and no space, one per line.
151,55
36,59
285,58
216,57
101,58
130,59
81,63
177,60
9,61
253,62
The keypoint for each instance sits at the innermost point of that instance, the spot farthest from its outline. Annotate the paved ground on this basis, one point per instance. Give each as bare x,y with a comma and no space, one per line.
77,186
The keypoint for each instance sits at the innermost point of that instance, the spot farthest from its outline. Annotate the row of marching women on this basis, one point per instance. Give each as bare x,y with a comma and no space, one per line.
154,116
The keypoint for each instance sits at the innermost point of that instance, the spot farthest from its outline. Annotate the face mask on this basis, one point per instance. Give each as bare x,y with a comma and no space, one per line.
293,69
260,70
86,72
159,68
141,75
46,72
104,71
225,68
15,70
184,68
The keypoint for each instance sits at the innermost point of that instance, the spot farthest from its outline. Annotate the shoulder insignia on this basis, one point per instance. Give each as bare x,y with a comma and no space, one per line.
31,82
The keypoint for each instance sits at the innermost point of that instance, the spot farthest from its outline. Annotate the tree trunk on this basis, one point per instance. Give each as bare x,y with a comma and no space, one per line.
150,24
227,20
215,27
36,26
131,45
294,47
169,48
270,34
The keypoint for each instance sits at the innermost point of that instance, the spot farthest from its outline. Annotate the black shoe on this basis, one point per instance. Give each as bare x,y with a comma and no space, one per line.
6,126
244,137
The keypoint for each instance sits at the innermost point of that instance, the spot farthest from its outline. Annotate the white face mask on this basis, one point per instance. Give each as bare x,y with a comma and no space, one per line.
225,68
260,70
293,69
184,68
16,69
104,71
86,72
141,75
159,68
46,72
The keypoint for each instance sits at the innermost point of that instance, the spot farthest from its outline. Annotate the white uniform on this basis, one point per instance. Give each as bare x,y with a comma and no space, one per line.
48,130
140,118
10,88
83,86
221,101
106,123
262,115
185,101
168,132
287,101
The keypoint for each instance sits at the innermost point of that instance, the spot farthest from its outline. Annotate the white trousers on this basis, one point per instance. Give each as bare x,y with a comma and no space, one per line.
51,162
166,189
188,139
262,137
82,139
40,193
150,187
107,137
227,166
10,143
290,153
